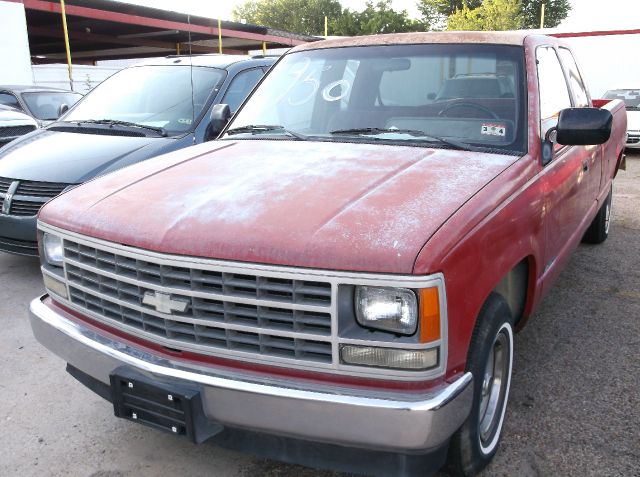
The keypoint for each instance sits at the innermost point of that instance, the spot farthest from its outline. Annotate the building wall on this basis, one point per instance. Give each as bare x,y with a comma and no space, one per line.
85,77
15,58
608,61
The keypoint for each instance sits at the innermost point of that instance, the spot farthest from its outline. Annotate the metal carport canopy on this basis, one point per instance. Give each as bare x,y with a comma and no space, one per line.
101,29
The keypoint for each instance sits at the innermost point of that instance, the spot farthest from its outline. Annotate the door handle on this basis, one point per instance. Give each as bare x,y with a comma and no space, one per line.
585,166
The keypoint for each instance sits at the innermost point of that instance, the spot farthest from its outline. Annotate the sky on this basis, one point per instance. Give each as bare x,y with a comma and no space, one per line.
586,15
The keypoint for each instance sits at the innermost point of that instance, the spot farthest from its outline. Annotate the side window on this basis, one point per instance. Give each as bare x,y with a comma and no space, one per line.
554,95
575,80
9,100
240,87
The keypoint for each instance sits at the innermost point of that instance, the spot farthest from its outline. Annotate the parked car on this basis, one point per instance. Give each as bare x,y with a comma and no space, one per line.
136,114
14,124
631,99
336,281
40,102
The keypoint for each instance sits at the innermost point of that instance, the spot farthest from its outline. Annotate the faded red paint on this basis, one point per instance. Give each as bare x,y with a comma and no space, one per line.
373,208
318,205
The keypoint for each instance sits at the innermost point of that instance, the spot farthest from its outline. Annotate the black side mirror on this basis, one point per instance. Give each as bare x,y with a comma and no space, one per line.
583,126
218,119
63,108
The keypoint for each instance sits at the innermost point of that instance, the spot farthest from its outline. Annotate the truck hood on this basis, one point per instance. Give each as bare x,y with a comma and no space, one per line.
71,158
307,204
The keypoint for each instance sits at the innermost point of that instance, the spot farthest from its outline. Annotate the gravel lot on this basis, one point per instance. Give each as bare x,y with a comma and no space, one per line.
574,407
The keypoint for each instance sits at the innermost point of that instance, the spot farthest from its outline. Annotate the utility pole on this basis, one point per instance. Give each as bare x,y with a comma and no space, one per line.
66,42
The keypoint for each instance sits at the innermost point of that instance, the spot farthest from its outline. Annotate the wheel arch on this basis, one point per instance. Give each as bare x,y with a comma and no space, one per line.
516,287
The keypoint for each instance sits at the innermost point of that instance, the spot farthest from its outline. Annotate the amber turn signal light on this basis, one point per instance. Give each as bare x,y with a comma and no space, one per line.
429,315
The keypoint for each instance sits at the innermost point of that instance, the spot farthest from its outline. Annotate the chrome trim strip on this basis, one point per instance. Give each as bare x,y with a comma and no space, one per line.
334,278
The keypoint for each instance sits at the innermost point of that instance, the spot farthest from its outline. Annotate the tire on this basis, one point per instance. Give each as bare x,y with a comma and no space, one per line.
598,231
490,360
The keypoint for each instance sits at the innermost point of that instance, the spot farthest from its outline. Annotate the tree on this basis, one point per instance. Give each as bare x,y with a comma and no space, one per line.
490,15
374,19
436,12
299,16
554,12
307,17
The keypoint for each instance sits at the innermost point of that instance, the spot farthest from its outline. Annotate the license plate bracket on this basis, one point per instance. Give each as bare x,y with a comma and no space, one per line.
172,405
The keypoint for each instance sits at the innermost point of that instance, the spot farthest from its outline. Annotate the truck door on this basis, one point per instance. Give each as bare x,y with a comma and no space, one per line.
565,179
581,99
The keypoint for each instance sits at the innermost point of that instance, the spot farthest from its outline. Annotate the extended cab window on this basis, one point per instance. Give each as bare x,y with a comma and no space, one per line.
580,97
241,86
554,95
439,95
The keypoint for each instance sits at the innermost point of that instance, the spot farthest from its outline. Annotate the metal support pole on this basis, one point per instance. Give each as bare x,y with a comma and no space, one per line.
66,42
542,16
219,36
264,48
326,26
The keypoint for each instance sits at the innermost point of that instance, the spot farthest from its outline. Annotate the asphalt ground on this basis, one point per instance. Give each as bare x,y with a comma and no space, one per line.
574,408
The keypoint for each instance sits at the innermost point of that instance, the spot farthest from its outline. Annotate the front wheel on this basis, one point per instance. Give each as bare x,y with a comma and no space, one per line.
490,361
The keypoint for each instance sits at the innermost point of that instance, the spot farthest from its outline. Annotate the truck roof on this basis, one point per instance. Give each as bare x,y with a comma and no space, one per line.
498,38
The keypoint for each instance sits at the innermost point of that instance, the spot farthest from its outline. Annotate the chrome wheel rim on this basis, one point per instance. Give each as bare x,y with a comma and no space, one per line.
495,383
607,217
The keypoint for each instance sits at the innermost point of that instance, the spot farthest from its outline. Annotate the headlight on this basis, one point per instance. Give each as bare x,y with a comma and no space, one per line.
52,248
388,309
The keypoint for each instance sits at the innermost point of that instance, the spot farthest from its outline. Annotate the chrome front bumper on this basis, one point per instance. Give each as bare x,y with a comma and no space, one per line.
338,415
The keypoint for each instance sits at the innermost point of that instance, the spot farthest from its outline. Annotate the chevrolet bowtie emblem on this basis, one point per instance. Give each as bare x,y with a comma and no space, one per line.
163,302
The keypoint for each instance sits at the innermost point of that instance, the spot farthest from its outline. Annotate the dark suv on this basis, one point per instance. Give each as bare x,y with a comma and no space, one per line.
138,113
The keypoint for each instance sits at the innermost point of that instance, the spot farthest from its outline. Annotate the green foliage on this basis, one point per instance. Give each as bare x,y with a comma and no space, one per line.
437,12
490,15
307,17
298,16
375,18
554,12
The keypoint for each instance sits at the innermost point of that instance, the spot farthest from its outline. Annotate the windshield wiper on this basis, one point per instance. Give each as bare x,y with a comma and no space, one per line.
258,128
411,132
117,122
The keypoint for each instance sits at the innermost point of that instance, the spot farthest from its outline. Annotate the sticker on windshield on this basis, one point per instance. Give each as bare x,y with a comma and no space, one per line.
184,120
491,129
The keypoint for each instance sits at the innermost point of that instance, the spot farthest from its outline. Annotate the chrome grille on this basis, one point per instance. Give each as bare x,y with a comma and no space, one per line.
251,313
633,138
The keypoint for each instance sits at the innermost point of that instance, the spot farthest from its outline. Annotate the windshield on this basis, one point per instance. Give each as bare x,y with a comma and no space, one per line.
45,105
630,97
453,94
158,96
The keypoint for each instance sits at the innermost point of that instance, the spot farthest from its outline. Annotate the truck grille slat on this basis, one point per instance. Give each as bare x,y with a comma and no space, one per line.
215,310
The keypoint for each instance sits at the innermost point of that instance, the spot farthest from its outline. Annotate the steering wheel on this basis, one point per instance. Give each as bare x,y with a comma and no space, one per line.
468,104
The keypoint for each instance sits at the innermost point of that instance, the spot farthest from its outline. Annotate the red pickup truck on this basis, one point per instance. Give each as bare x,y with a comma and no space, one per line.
336,280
